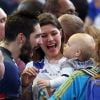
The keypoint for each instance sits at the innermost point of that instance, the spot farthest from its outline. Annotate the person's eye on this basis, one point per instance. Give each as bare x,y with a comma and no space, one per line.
70,11
2,20
54,33
38,36
43,35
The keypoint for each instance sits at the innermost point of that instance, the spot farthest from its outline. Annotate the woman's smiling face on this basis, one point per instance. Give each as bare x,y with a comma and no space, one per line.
51,40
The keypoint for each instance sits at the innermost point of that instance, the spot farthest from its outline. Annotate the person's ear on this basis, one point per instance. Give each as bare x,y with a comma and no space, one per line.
61,31
21,38
63,37
78,52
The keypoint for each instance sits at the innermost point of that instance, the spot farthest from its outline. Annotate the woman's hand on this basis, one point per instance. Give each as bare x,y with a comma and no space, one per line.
28,75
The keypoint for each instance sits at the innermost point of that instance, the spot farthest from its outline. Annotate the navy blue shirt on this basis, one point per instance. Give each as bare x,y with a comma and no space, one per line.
10,83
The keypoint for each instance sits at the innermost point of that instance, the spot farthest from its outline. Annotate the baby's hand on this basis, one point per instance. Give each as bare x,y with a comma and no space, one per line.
44,83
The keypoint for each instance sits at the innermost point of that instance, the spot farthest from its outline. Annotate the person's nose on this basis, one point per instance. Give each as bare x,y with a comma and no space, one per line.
50,38
40,40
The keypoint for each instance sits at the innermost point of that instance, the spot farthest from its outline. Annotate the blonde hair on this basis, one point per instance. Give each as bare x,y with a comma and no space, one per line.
93,31
71,24
83,42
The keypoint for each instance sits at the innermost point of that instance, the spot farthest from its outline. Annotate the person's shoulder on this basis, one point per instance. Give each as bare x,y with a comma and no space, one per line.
68,63
77,73
62,60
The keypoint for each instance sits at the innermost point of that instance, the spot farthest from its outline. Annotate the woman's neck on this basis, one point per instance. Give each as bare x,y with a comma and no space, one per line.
54,58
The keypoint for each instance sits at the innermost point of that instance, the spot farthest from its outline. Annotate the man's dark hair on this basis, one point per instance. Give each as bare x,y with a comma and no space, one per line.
81,7
19,22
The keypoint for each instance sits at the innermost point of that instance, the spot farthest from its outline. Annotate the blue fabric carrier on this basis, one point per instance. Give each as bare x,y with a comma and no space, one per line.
93,85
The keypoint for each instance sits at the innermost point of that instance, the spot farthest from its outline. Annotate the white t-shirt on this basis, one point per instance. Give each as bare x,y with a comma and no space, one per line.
52,71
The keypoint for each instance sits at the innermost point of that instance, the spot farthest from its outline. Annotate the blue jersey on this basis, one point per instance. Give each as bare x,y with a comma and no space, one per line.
10,83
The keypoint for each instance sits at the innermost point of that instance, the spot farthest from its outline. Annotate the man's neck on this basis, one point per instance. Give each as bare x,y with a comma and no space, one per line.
12,47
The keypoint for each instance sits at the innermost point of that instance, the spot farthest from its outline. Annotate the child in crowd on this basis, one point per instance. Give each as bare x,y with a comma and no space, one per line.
79,50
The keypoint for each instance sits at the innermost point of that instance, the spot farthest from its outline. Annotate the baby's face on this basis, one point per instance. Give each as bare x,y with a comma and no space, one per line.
69,51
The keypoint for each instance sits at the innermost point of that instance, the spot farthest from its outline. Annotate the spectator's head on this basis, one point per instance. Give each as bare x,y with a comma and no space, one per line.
32,6
93,31
35,7
59,7
21,27
71,24
3,18
80,46
81,8
52,35
97,3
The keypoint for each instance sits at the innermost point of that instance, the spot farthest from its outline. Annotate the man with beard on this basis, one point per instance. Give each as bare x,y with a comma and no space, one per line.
20,27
